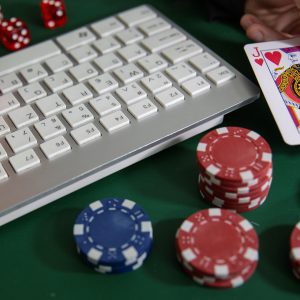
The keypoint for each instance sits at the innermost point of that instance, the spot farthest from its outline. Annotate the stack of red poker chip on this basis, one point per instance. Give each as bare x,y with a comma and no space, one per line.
295,250
235,168
217,248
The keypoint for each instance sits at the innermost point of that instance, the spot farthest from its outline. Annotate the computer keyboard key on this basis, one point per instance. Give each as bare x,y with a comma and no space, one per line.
163,40
129,36
24,161
182,51
181,72
58,81
136,15
83,72
4,128
169,97
21,139
153,63
50,127
196,86
23,116
154,26
131,93
50,105
3,174
9,83
142,109
204,62
128,73
85,134
78,115
27,57
77,94
156,82
108,62
8,102
106,45
75,38
103,83
114,121
105,104
58,63
32,92
107,26
132,52
33,73
83,54
220,75
3,154
55,147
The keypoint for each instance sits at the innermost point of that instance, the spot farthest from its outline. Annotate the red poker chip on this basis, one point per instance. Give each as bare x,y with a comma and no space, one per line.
230,283
234,154
295,244
217,242
238,189
236,208
235,197
242,200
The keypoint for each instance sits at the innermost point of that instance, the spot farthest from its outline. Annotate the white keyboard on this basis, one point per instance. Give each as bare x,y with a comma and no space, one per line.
97,99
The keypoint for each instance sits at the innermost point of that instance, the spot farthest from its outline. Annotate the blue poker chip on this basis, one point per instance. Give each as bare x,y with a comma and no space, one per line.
113,232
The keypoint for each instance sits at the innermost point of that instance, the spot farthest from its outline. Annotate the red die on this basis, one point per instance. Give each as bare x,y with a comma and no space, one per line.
53,13
14,34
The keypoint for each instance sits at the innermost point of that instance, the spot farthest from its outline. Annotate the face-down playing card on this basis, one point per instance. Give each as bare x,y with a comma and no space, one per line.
277,69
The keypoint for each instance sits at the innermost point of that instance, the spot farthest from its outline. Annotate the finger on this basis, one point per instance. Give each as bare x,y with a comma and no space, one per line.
262,33
248,20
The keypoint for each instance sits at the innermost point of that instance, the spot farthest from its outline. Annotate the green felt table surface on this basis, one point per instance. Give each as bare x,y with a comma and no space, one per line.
38,259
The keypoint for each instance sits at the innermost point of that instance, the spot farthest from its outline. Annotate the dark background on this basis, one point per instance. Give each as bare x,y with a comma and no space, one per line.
37,253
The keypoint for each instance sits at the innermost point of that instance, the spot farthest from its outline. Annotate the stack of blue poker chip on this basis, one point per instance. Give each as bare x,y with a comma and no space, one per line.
113,235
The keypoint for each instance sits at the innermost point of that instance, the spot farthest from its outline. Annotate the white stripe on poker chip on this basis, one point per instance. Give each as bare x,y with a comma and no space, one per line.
128,204
103,269
218,202
265,186
130,253
221,271
214,212
244,200
188,255
186,226
213,169
222,130
298,225
231,195
201,147
243,190
78,229
209,279
209,190
246,175
254,202
253,135
251,254
95,205
187,266
198,280
296,253
94,255
146,226
266,157
237,281
246,225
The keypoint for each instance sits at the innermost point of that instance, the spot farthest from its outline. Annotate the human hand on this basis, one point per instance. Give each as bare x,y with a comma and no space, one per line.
266,20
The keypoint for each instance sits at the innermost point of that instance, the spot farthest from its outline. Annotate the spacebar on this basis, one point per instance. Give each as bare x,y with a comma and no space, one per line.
28,56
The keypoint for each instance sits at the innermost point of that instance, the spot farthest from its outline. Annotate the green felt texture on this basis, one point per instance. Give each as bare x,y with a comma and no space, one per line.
38,259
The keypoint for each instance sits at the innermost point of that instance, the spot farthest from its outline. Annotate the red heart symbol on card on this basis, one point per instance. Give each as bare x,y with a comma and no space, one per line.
259,61
274,57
